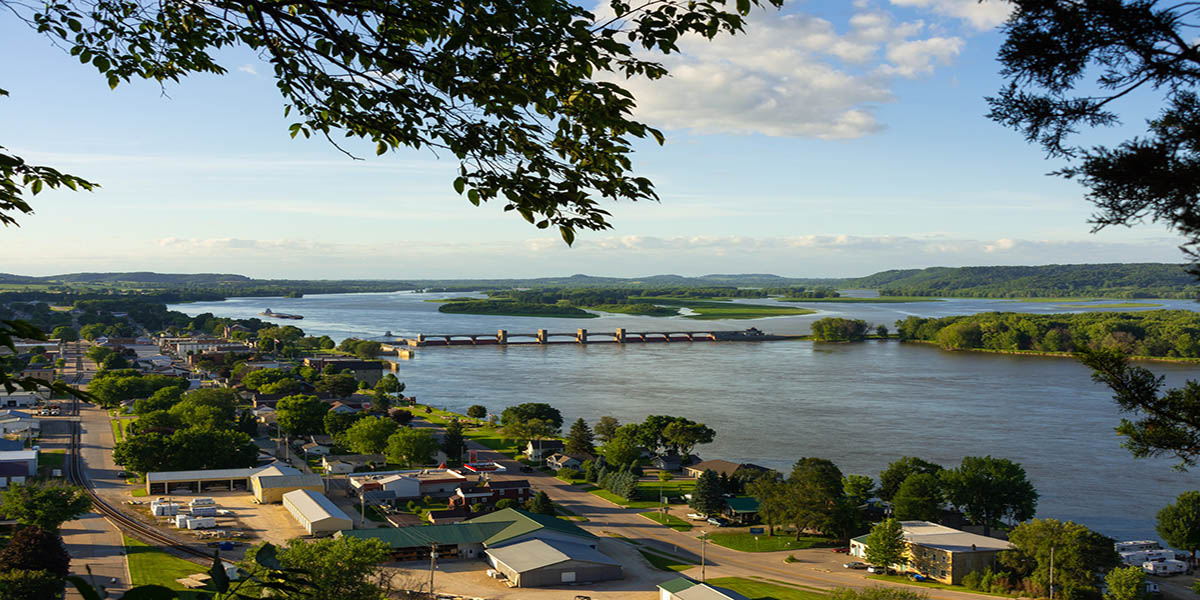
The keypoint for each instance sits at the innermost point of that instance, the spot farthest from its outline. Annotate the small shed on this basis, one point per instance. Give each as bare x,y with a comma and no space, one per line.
318,514
541,562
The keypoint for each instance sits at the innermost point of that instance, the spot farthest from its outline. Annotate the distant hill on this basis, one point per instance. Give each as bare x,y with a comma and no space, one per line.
1136,280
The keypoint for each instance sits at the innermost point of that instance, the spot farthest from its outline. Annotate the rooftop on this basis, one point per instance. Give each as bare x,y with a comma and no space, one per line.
536,554
490,530
315,507
932,535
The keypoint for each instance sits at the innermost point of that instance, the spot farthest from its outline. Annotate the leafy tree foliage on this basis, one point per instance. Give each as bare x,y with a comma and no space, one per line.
606,428
1166,422
858,488
20,584
706,496
532,410
161,400
507,89
477,411
36,549
261,377
989,490
186,449
341,385
1126,583
897,471
1079,553
44,505
579,439
1179,522
1128,280
1052,50
837,329
411,446
919,498
453,440
622,448
346,568
369,435
885,544
774,500
683,435
540,504
110,388
337,422
301,415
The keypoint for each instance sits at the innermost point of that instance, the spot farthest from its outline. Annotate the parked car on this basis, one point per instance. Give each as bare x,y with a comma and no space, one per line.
877,570
697,517
842,550
122,474
855,565
718,521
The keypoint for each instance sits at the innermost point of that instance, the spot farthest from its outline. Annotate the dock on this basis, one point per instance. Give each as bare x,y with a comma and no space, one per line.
504,337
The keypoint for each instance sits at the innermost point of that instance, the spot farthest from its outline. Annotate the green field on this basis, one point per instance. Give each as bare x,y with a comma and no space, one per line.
709,310
668,520
514,309
150,566
615,499
663,562
746,542
878,300
761,590
648,310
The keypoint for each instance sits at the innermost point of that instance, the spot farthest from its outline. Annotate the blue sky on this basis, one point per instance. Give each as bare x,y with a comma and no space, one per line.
830,139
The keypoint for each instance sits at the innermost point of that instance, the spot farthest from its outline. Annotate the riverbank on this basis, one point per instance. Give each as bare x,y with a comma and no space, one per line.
1043,353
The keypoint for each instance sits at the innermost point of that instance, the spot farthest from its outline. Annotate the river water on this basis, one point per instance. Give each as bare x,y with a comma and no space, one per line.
860,405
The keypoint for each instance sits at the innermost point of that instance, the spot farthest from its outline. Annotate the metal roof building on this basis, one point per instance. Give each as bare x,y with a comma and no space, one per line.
540,562
318,514
267,483
683,588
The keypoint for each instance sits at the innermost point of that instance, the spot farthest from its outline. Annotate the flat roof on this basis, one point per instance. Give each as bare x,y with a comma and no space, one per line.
537,553
208,474
924,533
315,507
18,454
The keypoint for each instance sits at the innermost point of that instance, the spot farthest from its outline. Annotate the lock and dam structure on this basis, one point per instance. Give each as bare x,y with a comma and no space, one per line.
583,336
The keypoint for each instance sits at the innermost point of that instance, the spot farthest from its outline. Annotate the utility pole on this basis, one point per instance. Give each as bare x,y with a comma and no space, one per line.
432,566
1051,571
703,553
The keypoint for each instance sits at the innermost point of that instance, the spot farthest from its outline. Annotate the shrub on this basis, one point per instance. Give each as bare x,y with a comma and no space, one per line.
971,580
427,499
568,474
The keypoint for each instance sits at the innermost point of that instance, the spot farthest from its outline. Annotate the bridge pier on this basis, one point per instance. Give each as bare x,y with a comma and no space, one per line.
542,338
474,340
502,336
620,336
581,336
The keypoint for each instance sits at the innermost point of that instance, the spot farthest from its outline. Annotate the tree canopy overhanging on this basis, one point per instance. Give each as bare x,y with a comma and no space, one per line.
520,92
1069,63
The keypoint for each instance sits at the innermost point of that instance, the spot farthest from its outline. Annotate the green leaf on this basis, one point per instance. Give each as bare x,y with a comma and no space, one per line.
473,196
460,184
568,234
268,557
220,581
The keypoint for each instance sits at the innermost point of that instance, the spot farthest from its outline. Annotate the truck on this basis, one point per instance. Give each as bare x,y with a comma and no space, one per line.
1164,568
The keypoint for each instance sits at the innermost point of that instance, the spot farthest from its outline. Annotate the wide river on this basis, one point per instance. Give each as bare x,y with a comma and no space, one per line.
860,405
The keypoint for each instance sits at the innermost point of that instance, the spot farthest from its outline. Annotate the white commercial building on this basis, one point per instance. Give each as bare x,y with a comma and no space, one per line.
318,514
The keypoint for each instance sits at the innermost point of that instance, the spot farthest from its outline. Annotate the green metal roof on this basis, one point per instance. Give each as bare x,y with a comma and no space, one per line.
489,529
677,585
862,539
742,504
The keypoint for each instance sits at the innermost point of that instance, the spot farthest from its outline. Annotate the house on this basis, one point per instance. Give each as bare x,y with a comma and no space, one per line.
492,492
672,462
724,467
316,513
449,515
340,464
438,483
940,552
538,450
19,399
560,461
315,449
741,509
264,414
527,549
15,422
683,588
342,408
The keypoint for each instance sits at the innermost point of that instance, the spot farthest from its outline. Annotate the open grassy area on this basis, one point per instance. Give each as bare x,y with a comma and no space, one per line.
116,430
876,300
668,520
648,310
933,585
673,488
710,310
510,308
746,542
149,565
761,590
665,563
615,499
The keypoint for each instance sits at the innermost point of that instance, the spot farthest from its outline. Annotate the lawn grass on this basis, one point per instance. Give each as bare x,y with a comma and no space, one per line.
745,542
707,310
761,590
116,429
150,566
933,585
138,492
615,499
668,520
573,481
424,508
665,563
675,487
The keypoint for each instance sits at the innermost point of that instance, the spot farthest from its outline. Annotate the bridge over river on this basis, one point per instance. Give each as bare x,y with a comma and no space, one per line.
583,336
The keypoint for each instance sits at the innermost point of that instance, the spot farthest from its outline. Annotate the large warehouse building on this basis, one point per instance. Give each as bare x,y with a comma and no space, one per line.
268,483
536,562
316,513
939,552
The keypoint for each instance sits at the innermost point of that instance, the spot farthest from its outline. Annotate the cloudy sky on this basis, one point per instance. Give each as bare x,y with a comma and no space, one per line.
831,139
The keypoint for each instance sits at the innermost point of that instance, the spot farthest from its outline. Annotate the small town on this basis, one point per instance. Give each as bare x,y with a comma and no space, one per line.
200,450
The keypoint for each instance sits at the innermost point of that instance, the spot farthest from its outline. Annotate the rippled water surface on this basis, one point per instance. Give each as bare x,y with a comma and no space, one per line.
860,405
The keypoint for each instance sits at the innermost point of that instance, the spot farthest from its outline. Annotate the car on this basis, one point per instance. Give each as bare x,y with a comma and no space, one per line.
697,517
841,550
855,565
122,474
918,577
877,570
718,521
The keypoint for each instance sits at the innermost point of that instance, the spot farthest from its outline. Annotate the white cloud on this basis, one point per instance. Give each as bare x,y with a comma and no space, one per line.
980,15
791,75
1000,245
248,68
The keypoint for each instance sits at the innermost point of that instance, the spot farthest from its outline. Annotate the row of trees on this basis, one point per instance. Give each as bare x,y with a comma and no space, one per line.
1165,333
837,329
199,429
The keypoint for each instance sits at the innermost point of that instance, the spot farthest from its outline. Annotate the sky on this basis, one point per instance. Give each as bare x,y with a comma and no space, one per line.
830,139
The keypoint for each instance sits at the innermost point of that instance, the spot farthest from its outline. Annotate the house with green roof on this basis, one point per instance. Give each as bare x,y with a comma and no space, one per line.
742,509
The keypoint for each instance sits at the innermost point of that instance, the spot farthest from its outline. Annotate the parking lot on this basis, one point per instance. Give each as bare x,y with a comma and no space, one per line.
257,522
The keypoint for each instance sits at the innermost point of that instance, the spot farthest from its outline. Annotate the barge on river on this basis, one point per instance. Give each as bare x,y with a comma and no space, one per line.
275,315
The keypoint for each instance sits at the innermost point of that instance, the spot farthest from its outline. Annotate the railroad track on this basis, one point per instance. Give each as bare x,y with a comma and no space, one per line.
128,525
